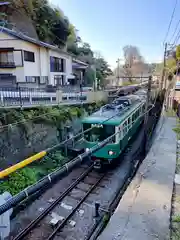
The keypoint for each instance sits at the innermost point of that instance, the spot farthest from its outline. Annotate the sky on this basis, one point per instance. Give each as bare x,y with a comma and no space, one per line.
108,25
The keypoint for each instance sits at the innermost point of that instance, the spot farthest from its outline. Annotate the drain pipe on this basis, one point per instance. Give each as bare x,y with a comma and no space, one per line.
60,172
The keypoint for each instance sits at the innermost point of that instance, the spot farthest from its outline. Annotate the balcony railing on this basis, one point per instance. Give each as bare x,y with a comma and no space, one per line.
7,65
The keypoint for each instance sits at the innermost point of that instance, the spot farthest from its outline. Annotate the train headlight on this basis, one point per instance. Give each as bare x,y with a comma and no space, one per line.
111,153
87,149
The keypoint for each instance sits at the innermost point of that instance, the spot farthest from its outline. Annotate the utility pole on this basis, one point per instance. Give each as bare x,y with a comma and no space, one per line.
141,78
147,113
118,66
164,66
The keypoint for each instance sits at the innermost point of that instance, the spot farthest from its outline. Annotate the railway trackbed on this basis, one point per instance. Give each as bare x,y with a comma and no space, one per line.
49,223
66,210
70,215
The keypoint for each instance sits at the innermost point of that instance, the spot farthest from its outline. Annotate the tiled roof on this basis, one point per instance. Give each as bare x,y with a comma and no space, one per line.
75,60
31,40
24,37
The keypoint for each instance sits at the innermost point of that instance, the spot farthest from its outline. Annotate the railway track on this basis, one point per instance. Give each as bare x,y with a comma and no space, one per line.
71,224
42,225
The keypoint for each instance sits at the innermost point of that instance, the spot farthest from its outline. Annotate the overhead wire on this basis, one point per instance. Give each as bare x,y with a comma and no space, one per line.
102,143
176,28
176,38
171,19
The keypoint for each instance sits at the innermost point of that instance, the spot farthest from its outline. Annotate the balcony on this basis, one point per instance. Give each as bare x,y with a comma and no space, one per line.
7,65
7,80
10,58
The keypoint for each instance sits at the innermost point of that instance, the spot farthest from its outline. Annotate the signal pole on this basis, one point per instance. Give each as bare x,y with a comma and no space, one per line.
118,66
147,113
164,66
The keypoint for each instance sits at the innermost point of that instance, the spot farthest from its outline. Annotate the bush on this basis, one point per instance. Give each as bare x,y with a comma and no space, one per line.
19,180
27,176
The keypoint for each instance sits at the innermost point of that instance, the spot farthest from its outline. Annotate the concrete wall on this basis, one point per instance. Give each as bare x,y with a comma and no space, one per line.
97,96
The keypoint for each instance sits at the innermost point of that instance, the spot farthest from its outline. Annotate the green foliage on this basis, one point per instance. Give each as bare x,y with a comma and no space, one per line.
171,65
49,163
176,218
19,180
53,116
27,176
102,70
177,130
51,24
129,83
178,52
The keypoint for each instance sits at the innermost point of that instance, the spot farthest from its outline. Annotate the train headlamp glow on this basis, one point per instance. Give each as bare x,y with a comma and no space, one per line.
87,149
110,153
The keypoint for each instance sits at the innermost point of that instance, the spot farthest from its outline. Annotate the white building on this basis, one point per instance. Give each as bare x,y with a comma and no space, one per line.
32,63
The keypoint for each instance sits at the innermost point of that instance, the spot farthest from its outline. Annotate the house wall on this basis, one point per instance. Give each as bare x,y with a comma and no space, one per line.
7,41
41,66
31,68
68,66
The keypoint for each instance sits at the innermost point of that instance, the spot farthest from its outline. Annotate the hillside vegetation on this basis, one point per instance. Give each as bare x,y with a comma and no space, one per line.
48,23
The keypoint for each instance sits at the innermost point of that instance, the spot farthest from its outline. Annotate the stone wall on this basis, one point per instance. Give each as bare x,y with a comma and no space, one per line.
18,143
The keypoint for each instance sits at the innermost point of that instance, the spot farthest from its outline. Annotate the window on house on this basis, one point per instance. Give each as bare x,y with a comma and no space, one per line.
57,64
6,58
59,80
32,79
29,56
44,80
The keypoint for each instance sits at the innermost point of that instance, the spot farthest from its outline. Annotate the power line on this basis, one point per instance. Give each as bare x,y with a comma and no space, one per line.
177,25
172,16
98,145
24,120
176,38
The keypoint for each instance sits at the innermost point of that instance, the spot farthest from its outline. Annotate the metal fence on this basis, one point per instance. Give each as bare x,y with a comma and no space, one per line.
20,96
17,96
25,96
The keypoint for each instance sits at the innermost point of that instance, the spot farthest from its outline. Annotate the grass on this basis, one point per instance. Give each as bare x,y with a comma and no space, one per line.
176,218
29,175
170,113
175,227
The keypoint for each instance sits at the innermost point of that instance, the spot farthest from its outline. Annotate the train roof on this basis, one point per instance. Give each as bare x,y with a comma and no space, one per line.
119,112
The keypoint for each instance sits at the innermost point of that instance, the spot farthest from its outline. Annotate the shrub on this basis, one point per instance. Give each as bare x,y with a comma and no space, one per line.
19,180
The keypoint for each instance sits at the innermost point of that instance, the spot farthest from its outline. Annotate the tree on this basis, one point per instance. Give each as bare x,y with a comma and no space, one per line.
133,62
51,24
102,70
178,52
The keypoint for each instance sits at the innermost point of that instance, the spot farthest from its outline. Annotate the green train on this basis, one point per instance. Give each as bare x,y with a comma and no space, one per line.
122,118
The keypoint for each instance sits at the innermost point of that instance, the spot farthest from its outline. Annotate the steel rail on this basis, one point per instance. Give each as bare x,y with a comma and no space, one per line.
62,224
33,223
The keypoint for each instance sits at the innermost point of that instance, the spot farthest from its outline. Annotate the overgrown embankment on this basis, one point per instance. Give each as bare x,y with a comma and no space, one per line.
26,132
175,218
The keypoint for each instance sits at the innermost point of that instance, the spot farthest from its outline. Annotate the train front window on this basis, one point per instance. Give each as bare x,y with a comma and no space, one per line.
99,132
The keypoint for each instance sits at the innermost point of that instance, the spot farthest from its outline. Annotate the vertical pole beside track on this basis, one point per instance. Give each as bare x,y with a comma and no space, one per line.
164,66
147,113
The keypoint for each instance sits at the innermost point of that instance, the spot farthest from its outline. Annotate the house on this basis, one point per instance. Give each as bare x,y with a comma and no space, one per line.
78,68
31,63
